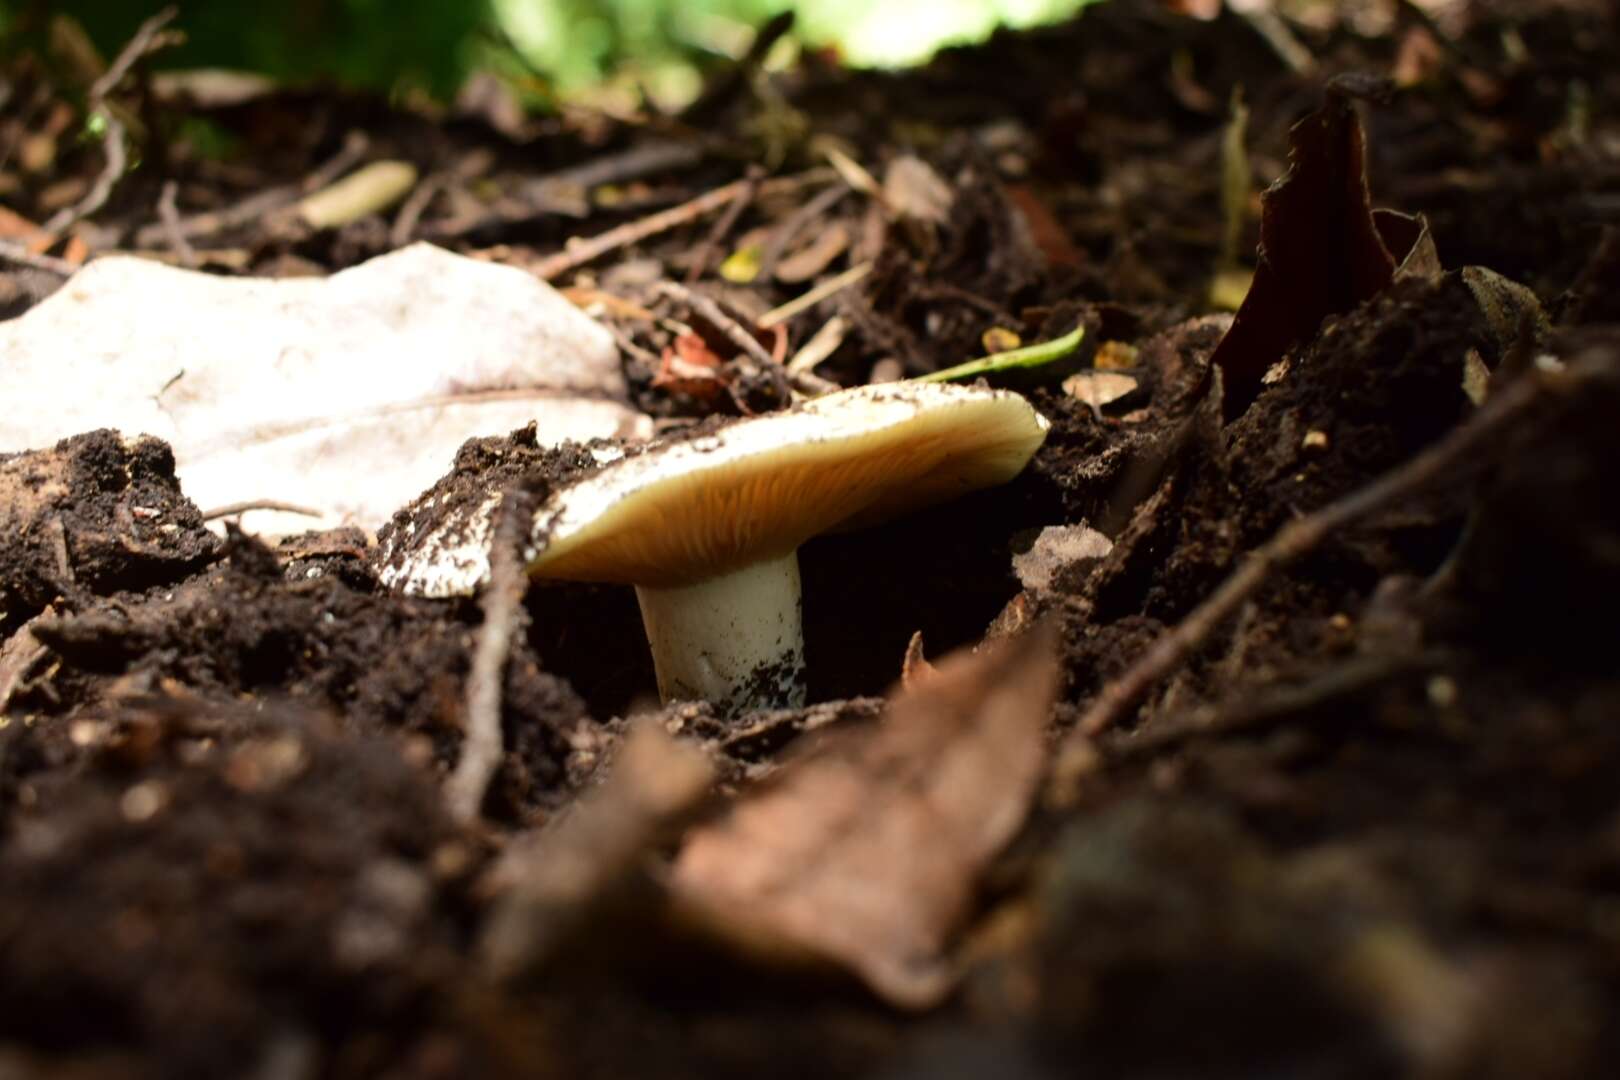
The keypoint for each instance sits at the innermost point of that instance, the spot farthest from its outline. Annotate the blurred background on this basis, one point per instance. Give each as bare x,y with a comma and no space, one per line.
548,50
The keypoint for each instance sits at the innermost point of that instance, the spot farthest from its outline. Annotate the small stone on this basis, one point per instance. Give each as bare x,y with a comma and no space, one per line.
143,801
1442,691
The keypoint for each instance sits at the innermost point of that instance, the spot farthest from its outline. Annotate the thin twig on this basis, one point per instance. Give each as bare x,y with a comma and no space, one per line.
13,252
643,159
231,509
1303,535
723,226
812,211
580,251
411,210
735,332
1276,705
810,298
147,39
144,42
643,356
169,215
481,744
255,206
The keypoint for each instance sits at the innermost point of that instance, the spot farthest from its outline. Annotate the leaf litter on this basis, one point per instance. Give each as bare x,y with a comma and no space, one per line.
1350,810
869,851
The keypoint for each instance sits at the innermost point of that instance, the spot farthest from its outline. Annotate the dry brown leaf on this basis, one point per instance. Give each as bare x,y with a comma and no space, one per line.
914,190
1322,250
689,366
1099,388
548,883
1057,548
18,655
868,852
914,666
815,256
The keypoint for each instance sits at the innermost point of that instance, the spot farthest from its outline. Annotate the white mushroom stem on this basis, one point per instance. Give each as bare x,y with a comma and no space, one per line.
735,640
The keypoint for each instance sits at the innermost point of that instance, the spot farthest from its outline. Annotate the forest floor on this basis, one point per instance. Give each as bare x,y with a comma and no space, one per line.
1306,650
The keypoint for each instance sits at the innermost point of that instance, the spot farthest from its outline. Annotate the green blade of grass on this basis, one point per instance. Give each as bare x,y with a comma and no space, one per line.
1027,357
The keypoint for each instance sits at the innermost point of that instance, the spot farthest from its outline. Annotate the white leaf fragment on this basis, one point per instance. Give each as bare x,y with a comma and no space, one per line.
348,394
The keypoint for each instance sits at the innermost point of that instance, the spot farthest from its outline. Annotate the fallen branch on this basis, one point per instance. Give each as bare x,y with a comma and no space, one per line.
148,39
503,612
1303,535
579,251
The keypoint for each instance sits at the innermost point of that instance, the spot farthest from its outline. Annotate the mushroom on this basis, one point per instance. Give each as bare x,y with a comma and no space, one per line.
708,528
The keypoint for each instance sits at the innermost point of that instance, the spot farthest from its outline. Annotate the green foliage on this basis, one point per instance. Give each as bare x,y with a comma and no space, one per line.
1027,357
580,41
431,45
385,45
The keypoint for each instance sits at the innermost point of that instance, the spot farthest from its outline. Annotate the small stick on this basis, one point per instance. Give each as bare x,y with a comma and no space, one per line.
13,252
255,206
230,509
581,251
59,548
789,231
147,39
481,744
807,300
169,215
415,204
822,344
734,331
723,226
643,356
1303,535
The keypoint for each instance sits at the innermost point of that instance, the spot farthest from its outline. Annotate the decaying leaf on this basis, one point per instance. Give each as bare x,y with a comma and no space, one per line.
689,366
348,394
914,190
19,653
367,190
999,339
1321,248
1099,388
550,881
868,851
1057,548
814,257
914,666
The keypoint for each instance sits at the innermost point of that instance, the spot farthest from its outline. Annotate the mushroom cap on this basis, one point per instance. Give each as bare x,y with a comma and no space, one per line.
693,510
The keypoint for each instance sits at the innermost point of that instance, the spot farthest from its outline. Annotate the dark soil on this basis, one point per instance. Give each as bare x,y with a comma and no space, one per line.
1369,828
